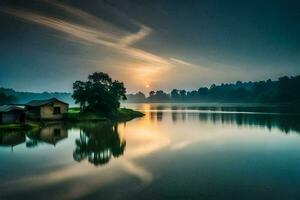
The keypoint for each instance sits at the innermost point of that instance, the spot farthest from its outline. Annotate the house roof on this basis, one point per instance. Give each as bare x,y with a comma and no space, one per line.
37,103
8,108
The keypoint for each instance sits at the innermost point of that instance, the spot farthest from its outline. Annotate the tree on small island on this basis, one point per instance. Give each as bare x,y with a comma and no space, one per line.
100,94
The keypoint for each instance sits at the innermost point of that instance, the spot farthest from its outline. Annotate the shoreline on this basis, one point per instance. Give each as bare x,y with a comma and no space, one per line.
11,127
122,115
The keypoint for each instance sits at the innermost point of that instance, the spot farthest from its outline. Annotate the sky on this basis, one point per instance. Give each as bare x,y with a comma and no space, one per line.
46,45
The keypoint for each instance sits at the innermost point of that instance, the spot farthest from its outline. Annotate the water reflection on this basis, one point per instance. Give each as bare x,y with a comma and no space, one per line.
285,123
263,116
216,107
50,134
174,153
12,139
98,143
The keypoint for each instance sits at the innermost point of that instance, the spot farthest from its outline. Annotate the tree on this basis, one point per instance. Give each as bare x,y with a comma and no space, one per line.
203,91
175,95
99,94
158,96
138,97
79,94
182,94
151,93
141,95
161,95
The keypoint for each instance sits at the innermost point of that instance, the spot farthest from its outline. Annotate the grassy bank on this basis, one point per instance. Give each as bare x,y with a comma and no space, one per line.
125,114
18,127
74,115
122,114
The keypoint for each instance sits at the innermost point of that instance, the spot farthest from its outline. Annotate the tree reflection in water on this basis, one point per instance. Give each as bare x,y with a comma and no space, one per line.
99,143
282,118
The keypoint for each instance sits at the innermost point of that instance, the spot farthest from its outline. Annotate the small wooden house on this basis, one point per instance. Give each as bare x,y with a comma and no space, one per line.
49,109
12,114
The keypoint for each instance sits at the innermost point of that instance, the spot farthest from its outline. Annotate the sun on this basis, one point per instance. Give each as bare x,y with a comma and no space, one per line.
147,86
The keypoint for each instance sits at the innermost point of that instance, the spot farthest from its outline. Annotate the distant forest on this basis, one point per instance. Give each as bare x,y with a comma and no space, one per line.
8,96
284,90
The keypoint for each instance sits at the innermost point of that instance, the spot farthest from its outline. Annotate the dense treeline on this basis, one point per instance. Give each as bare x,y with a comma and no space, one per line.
284,90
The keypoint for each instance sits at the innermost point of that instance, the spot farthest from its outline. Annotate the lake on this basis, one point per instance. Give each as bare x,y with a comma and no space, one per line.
176,151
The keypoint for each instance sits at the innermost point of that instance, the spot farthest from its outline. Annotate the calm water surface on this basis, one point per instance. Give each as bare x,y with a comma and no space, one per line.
174,152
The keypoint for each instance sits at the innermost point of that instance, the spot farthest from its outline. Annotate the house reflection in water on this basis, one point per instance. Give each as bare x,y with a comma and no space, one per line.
98,142
50,134
53,134
12,139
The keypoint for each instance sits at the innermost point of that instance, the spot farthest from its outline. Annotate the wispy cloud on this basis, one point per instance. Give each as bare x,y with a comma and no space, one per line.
100,33
138,171
182,62
121,54
133,38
